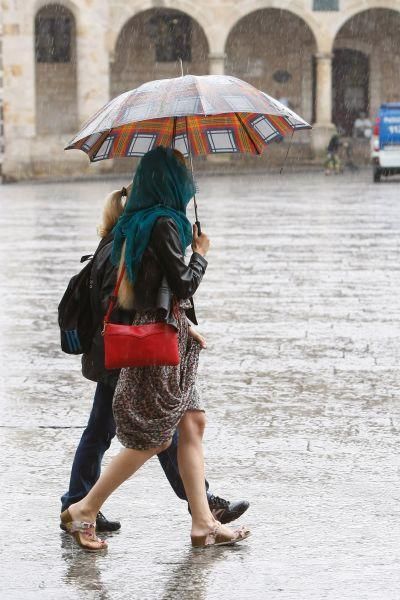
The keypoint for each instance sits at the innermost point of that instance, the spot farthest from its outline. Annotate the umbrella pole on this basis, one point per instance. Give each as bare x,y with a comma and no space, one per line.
287,153
198,225
197,222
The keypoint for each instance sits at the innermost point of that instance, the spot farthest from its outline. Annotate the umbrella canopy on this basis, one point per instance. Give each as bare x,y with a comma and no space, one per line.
208,114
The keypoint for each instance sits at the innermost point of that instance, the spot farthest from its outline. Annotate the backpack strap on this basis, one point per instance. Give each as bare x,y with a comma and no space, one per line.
103,242
114,297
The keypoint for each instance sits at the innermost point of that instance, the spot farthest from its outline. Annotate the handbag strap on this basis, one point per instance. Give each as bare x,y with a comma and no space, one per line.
114,296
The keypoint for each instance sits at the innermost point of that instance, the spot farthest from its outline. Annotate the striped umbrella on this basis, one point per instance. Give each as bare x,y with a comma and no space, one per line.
210,114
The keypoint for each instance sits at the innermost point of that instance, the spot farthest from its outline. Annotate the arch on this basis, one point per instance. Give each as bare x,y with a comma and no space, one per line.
55,69
349,42
362,31
70,5
243,9
273,49
350,98
149,44
54,34
354,9
133,8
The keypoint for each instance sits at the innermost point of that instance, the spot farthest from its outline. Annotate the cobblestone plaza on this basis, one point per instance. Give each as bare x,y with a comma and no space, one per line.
300,382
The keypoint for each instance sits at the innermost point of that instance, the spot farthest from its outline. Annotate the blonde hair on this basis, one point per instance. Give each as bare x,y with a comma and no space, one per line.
125,292
113,208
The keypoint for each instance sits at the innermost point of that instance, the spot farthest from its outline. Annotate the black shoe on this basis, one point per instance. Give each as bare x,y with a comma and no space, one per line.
102,524
225,511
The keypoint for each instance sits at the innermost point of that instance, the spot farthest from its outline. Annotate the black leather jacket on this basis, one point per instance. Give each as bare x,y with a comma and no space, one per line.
162,264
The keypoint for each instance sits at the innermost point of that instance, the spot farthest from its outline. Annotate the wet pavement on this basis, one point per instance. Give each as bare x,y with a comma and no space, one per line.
301,309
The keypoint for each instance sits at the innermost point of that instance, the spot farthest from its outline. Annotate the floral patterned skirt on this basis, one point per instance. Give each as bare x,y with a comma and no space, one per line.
149,402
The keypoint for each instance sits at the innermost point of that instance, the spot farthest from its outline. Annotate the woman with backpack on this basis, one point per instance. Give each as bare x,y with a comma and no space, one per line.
85,315
150,403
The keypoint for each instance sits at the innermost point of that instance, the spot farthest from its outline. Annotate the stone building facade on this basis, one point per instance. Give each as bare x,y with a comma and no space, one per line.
328,59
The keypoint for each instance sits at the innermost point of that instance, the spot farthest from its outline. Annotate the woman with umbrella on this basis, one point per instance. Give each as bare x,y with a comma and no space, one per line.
199,115
150,403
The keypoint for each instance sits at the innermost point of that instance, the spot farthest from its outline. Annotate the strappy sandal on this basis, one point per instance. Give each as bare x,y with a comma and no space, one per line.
81,530
215,538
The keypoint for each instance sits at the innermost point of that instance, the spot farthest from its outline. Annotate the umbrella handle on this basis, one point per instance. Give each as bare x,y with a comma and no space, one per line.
197,223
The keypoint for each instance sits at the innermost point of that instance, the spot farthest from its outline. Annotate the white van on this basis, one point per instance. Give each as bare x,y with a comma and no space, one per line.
385,141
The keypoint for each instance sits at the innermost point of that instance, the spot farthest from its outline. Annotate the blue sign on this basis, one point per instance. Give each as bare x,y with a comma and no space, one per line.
389,125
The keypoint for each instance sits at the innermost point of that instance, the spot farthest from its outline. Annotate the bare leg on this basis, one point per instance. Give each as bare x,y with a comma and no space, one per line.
191,468
122,466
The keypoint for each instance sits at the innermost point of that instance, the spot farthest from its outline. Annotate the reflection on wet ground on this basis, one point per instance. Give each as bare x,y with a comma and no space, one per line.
301,309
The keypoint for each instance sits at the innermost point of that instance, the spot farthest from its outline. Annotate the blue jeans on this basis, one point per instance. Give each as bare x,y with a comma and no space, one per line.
96,439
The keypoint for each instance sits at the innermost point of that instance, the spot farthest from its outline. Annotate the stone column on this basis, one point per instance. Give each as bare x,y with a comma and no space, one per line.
323,127
217,67
93,65
375,82
1,104
92,59
306,88
217,63
18,94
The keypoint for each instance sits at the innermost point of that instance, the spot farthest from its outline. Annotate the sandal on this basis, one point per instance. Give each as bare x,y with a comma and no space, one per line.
81,530
214,538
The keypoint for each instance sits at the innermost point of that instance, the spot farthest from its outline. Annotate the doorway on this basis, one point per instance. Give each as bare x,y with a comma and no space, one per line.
350,93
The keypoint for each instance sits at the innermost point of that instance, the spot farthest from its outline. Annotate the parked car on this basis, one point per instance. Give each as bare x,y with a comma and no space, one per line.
385,141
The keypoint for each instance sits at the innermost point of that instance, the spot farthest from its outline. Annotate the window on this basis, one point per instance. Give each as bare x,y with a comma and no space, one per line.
173,37
282,76
326,5
55,70
53,38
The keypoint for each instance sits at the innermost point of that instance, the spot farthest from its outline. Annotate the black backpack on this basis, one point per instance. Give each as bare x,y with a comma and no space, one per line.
75,315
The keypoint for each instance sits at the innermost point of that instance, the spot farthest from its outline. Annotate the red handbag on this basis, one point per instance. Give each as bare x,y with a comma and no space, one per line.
138,345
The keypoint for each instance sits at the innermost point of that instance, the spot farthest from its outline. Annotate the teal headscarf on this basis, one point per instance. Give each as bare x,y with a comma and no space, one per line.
162,187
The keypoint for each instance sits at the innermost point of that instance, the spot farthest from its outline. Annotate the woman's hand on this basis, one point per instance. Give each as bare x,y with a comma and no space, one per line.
196,336
200,243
